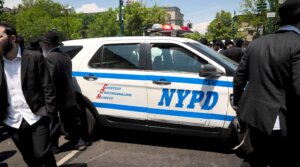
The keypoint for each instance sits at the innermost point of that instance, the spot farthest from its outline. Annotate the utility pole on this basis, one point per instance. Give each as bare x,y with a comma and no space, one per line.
66,10
270,16
261,9
1,6
233,25
121,17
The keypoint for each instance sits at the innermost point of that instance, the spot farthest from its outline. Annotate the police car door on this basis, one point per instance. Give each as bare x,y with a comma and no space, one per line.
113,80
176,92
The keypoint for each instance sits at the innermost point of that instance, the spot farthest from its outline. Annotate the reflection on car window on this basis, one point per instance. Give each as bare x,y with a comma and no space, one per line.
214,55
123,56
174,58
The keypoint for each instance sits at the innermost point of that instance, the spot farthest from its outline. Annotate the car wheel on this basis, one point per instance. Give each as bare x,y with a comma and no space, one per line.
88,117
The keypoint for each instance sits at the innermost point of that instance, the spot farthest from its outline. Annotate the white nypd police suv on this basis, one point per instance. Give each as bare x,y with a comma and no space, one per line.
168,84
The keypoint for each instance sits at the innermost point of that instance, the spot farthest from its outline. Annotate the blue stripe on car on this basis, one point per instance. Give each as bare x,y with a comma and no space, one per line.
164,112
155,77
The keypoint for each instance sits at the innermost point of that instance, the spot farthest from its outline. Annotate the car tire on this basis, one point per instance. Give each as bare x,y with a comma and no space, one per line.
88,117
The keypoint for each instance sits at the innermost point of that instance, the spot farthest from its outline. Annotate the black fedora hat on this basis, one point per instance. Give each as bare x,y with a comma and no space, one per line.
51,37
218,42
289,12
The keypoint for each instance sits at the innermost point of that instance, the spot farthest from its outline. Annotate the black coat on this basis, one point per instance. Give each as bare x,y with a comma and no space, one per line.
60,68
270,73
234,53
36,85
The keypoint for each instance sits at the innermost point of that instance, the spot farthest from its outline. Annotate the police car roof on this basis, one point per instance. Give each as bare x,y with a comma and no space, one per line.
126,38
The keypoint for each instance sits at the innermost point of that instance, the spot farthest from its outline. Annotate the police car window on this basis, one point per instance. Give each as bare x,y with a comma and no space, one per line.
120,56
71,50
174,58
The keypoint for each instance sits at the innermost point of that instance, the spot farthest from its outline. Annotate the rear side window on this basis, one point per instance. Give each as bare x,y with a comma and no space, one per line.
117,56
71,50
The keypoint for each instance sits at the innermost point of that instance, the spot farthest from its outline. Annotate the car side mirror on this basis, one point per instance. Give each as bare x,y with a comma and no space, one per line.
208,70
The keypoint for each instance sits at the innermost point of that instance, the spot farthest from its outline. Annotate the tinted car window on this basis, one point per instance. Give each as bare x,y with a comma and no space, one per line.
221,59
71,50
174,58
123,56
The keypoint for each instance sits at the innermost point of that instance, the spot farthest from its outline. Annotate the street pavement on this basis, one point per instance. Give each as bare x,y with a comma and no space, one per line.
10,156
128,148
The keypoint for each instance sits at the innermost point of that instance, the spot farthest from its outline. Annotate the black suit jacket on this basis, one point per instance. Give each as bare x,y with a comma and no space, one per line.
36,85
60,68
234,53
267,82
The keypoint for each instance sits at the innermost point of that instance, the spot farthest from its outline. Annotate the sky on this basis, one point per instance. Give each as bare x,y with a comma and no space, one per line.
199,12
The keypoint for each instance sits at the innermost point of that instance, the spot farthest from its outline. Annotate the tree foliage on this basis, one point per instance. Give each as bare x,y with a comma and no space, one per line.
221,26
137,16
104,24
8,17
40,17
195,36
258,19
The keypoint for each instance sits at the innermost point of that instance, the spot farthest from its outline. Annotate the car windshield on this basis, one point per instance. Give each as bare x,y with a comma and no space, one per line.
213,54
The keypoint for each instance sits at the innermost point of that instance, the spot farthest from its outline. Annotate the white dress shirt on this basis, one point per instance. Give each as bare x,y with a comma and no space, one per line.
18,107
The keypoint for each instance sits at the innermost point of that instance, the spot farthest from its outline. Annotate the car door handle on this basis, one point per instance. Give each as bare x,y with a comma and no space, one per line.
161,82
90,78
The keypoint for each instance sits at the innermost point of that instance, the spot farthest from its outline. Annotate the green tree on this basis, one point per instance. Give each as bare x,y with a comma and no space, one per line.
221,26
154,15
36,17
195,35
8,17
104,24
134,16
255,18
137,17
34,20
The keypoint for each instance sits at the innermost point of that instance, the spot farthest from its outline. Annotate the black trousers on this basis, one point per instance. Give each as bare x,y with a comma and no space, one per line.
33,141
71,126
273,150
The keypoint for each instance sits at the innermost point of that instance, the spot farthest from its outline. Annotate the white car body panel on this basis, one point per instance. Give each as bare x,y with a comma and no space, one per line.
188,100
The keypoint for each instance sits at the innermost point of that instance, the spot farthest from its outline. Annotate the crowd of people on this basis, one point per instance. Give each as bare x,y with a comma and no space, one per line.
37,97
232,49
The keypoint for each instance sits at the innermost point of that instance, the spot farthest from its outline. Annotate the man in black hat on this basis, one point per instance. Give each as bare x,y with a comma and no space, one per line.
235,52
34,44
218,45
267,92
27,99
60,68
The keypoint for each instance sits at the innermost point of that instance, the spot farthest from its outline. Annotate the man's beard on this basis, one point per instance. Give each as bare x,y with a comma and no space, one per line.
7,47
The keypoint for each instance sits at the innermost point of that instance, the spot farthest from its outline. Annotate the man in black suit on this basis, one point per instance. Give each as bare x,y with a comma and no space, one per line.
235,53
60,68
267,92
27,99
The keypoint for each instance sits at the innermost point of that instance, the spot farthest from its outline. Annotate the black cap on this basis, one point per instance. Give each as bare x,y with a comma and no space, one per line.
239,42
51,37
218,42
228,41
289,12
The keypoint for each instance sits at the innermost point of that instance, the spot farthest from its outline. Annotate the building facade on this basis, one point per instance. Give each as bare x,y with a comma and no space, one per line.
175,16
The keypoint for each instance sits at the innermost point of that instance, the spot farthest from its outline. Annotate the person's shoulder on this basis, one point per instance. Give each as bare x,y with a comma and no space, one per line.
32,52
35,54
